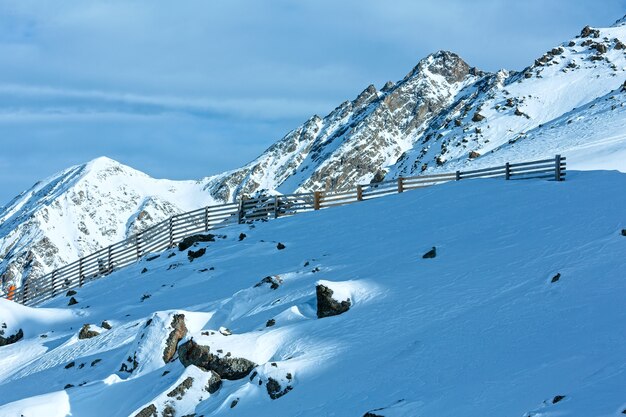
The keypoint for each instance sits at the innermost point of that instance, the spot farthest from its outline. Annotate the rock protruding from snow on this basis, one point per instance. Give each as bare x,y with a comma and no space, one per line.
86,332
189,241
8,340
191,353
327,306
179,331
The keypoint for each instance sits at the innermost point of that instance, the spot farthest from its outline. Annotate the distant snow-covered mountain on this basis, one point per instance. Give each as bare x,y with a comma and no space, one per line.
442,116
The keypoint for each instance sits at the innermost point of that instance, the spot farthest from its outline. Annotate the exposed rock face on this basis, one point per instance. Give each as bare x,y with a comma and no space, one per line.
191,255
149,411
87,333
191,353
327,306
214,383
356,139
10,339
181,389
179,331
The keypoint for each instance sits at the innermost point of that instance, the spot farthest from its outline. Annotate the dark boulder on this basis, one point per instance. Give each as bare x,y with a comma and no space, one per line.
242,236
280,246
275,390
557,398
274,282
473,155
194,254
600,47
624,230
106,325
189,241
555,278
179,331
478,117
70,293
11,339
430,254
589,32
327,306
87,333
191,353
72,302
270,323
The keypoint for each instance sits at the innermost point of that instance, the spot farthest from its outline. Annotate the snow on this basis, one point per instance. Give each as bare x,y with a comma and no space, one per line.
480,330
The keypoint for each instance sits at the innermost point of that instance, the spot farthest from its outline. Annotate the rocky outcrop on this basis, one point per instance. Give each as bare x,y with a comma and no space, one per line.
87,333
179,331
191,255
274,390
327,306
149,411
214,383
273,281
8,340
191,353
181,389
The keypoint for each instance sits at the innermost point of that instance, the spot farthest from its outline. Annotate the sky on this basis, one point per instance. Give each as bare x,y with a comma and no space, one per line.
184,90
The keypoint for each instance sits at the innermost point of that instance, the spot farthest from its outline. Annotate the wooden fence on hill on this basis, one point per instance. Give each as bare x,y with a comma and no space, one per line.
170,232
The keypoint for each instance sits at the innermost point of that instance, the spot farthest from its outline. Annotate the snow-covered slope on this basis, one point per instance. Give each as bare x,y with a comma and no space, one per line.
520,313
83,209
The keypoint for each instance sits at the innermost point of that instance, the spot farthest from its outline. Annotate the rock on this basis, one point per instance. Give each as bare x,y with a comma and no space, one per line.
87,333
106,325
557,398
623,232
11,339
68,386
181,389
168,411
224,331
589,32
457,122
70,293
571,43
152,258
370,414
270,323
70,365
275,390
600,47
327,306
179,331
473,155
191,255
274,282
619,45
143,271
191,353
189,241
478,117
518,112
242,236
430,254
280,246
149,411
379,176
95,362
234,403
72,301
556,278
528,74
214,383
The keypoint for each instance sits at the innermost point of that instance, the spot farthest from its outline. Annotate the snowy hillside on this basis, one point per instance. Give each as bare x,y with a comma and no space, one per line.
83,209
520,313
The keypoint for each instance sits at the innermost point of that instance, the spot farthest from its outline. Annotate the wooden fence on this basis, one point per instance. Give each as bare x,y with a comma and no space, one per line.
168,233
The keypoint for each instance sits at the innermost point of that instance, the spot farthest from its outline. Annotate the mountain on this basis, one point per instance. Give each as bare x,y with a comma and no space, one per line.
82,209
520,313
444,115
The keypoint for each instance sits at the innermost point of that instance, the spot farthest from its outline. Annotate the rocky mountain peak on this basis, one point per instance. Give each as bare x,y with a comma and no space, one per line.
444,63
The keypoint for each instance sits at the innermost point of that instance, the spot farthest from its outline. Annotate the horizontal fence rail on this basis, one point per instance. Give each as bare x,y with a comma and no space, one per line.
170,232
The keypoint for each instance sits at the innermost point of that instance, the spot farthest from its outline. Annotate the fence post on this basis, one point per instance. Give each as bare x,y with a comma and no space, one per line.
400,184
81,278
240,211
507,171
276,205
206,219
137,247
317,196
359,192
458,176
52,279
171,231
557,167
25,292
109,260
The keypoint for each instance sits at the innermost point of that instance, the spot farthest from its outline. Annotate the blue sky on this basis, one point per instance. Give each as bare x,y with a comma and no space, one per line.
187,89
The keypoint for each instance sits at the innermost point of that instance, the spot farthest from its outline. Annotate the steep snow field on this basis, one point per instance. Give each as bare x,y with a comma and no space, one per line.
480,330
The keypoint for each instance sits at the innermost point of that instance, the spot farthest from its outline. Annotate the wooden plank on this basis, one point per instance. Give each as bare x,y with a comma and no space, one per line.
540,161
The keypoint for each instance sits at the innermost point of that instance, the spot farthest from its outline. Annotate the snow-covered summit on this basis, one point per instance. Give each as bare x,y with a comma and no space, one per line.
82,209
